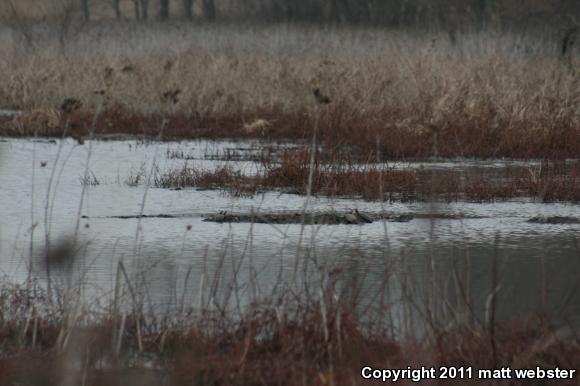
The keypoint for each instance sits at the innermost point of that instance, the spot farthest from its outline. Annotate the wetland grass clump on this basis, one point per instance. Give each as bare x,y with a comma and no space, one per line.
291,174
89,180
338,177
193,177
334,176
547,182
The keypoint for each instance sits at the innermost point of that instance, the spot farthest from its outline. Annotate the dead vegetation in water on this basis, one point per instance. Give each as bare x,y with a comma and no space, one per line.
547,182
484,94
222,177
291,175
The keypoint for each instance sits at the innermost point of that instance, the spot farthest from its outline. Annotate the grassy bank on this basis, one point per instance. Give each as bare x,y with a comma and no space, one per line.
485,94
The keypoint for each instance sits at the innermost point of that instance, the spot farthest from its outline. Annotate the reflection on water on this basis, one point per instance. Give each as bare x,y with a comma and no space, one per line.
231,264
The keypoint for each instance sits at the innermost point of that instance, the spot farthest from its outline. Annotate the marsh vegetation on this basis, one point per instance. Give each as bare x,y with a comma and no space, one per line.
483,94
384,197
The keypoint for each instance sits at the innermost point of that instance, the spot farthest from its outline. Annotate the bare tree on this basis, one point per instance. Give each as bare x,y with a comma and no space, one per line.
17,22
340,11
65,18
137,8
67,24
144,9
188,9
163,9
209,12
141,9
117,8
568,41
85,6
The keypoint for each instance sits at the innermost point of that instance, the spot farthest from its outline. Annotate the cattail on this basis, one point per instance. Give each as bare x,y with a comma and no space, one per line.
321,99
108,76
78,137
70,105
171,96
127,69
569,40
435,129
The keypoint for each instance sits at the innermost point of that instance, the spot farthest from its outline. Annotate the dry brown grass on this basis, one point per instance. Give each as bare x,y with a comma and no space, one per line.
486,95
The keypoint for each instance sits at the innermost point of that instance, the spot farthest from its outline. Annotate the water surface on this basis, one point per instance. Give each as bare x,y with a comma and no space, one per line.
538,264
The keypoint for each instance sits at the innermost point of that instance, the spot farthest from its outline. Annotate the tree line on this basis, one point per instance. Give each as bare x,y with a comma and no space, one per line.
378,12
142,9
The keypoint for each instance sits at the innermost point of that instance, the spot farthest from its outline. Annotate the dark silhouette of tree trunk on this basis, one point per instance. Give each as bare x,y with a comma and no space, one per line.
188,9
482,12
145,9
338,11
163,9
333,11
117,8
86,9
364,12
276,11
291,9
137,7
568,41
314,11
209,10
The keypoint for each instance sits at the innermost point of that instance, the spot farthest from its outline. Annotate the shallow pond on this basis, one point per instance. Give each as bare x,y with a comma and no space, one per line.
184,259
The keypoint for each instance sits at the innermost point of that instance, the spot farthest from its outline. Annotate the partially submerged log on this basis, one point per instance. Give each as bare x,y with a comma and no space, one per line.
316,218
322,217
554,220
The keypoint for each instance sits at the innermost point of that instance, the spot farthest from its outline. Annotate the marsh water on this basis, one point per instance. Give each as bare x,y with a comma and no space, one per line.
180,256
